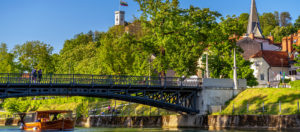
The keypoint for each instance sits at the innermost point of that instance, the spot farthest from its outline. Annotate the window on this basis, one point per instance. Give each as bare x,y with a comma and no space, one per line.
262,76
293,72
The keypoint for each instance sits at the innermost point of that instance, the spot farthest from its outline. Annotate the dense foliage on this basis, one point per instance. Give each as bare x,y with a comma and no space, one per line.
25,104
177,36
220,51
7,60
35,54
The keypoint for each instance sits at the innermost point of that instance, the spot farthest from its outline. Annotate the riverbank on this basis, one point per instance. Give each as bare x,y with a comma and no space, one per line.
270,122
211,122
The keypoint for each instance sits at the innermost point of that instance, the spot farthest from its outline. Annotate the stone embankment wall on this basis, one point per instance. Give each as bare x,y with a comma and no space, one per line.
198,121
109,121
9,122
195,121
255,121
145,121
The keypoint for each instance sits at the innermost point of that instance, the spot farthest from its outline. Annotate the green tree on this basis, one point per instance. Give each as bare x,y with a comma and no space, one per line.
16,105
285,19
280,32
35,54
297,58
177,37
82,110
277,18
121,55
77,53
243,19
268,23
7,60
297,23
221,52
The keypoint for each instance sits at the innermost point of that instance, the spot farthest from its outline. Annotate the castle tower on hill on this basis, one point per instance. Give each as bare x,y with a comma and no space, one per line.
253,23
119,17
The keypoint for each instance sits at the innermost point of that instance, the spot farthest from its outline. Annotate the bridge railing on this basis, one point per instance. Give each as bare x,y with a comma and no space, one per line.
85,79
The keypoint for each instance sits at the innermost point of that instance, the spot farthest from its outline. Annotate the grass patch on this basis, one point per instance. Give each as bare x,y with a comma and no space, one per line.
261,101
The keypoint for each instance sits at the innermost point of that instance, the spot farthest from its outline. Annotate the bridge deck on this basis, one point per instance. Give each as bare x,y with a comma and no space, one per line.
82,80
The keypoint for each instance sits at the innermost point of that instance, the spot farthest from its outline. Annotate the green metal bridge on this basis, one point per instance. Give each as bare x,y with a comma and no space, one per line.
171,93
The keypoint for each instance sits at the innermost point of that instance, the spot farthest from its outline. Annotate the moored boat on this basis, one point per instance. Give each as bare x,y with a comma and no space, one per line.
48,120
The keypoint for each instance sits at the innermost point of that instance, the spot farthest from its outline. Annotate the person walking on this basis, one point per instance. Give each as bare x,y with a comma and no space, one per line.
33,75
108,108
40,75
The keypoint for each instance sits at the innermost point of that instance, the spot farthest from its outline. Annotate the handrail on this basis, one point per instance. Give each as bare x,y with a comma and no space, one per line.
94,80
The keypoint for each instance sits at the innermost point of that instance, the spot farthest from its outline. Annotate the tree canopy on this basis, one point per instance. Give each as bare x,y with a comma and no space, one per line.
7,60
35,54
177,36
221,48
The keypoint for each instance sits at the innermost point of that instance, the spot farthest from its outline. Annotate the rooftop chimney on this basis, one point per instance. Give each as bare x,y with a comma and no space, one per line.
271,38
284,44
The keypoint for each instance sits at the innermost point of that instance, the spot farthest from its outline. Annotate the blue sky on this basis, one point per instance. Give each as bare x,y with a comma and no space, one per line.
54,21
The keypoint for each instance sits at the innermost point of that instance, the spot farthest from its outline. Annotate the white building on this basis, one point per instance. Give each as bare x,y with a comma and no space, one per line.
268,65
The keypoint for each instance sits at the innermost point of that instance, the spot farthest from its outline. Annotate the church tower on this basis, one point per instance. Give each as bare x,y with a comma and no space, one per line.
253,23
119,17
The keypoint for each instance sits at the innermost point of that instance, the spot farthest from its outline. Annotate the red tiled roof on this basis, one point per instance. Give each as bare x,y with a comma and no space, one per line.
274,58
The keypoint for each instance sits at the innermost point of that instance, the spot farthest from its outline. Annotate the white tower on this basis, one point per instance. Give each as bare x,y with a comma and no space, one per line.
119,17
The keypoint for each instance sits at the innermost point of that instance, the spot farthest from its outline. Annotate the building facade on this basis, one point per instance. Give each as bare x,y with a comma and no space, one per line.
271,61
269,67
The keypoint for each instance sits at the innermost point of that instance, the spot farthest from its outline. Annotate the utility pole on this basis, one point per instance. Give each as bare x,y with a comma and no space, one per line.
150,70
234,71
206,70
281,77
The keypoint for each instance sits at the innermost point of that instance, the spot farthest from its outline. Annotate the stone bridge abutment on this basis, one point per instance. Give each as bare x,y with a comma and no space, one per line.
216,92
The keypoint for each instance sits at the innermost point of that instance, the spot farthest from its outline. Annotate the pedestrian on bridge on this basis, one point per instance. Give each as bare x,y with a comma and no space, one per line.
108,108
33,75
40,75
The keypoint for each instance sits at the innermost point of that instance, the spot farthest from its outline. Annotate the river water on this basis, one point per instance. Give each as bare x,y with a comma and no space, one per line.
16,129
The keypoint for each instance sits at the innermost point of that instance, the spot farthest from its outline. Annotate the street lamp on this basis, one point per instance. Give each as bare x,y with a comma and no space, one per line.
206,68
234,71
281,60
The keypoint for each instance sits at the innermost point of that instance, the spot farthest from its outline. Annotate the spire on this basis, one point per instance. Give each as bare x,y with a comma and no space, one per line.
253,23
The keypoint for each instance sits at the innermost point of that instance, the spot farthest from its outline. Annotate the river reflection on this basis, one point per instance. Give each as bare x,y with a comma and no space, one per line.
16,129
